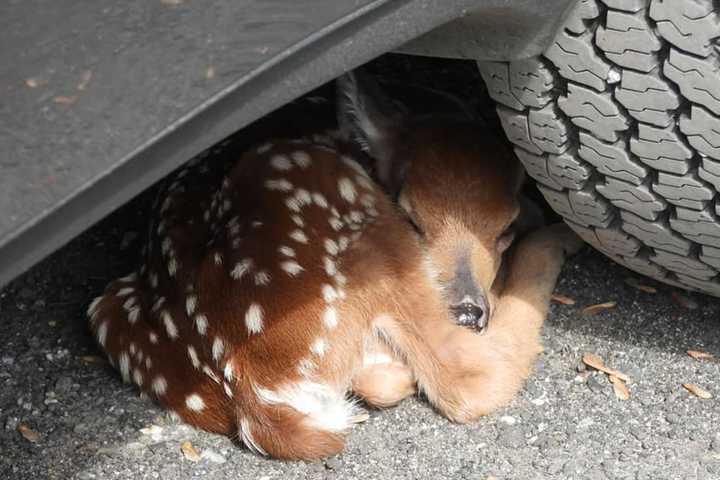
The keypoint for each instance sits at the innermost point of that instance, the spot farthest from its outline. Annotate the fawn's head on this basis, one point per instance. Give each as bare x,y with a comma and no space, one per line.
456,182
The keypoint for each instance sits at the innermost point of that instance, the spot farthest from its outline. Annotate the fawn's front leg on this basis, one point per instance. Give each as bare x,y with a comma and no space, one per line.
489,369
384,379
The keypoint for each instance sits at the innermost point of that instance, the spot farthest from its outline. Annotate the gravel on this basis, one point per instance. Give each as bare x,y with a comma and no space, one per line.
566,423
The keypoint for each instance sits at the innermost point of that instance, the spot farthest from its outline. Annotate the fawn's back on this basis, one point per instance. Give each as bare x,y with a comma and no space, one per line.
263,284
243,291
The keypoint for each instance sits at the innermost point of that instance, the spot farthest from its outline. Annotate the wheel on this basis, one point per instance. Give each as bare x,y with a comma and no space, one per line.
619,124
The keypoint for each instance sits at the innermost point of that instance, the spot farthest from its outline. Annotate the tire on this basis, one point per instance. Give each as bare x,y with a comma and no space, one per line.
619,124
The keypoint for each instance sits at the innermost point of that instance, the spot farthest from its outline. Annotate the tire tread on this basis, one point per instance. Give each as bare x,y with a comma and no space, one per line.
619,123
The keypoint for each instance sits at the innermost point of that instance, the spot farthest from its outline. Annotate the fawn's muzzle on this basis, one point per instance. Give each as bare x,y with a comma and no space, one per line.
473,313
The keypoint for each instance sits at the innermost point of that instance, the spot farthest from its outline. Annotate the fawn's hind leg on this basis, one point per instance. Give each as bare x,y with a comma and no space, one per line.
489,369
179,376
384,380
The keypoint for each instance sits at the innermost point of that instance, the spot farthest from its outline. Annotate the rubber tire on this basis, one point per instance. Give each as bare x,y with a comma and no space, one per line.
619,124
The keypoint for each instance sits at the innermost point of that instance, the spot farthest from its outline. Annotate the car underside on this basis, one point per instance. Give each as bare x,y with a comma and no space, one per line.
612,106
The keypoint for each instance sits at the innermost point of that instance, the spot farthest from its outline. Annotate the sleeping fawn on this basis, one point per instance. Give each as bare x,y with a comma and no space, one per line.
271,290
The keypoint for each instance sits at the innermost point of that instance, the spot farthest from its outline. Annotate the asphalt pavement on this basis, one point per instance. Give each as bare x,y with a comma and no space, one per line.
65,414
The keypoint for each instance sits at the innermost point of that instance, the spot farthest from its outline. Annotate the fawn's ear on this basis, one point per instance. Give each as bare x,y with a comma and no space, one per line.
372,121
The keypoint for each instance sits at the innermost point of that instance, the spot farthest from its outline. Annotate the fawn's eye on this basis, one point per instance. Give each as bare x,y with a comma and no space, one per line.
406,207
415,225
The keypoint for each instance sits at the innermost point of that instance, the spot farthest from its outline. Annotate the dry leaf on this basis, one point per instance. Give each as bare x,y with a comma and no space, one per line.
698,355
189,452
685,302
35,82
85,79
697,391
594,361
562,299
29,434
595,309
619,387
210,73
633,282
92,359
65,100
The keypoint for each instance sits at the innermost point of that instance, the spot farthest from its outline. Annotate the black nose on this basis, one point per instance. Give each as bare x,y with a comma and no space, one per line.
473,314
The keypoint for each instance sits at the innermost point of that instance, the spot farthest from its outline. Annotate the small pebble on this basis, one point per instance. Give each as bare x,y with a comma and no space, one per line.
80,427
715,445
672,418
598,385
639,433
585,423
508,420
333,463
675,396
152,430
648,400
63,385
38,305
160,447
213,456
11,423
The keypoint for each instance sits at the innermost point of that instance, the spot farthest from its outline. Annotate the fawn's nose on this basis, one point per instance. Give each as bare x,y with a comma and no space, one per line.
472,312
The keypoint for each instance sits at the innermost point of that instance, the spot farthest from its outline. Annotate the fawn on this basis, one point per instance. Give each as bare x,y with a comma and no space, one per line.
270,291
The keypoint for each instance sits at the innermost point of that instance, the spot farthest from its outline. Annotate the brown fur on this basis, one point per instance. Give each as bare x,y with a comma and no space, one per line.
279,386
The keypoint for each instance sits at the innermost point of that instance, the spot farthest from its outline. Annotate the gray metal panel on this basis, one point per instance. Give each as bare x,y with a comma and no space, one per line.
500,30
167,78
